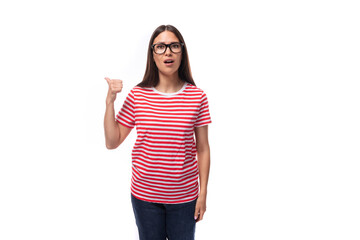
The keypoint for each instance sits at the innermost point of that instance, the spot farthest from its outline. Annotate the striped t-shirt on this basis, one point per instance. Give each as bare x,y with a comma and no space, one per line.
164,164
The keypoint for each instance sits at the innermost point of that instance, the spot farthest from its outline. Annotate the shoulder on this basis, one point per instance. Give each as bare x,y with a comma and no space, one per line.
136,90
191,89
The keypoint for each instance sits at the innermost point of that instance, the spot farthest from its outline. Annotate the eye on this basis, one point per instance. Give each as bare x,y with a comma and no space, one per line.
160,46
175,45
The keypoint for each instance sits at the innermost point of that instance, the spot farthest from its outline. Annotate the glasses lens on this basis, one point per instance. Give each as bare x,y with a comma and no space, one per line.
175,47
159,48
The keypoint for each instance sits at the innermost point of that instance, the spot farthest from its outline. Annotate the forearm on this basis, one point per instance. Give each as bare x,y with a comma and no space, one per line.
112,133
204,169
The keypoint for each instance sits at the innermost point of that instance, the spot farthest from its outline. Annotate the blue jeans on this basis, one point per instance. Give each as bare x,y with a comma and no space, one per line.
158,221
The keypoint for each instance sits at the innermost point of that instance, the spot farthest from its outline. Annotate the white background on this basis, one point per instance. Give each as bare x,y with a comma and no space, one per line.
282,79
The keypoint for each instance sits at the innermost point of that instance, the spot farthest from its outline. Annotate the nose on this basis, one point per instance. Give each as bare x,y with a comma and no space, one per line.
168,51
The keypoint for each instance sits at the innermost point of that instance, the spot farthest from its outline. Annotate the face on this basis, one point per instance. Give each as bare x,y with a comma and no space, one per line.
161,60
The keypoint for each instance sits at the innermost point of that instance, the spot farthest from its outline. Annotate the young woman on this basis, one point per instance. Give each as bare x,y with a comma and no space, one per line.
167,110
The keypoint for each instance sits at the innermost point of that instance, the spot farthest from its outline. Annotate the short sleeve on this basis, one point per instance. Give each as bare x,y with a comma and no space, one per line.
126,115
203,117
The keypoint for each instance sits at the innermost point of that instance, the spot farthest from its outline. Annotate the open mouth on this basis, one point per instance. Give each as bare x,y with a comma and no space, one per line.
169,61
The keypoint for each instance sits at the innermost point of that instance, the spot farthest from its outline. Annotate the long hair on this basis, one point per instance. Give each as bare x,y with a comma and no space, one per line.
151,76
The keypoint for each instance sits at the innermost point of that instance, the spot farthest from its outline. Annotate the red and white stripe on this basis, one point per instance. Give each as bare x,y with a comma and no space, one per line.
164,164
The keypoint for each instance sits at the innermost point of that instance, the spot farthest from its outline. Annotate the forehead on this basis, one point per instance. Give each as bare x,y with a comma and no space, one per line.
166,37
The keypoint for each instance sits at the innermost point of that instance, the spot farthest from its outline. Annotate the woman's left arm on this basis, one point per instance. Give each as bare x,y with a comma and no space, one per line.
203,153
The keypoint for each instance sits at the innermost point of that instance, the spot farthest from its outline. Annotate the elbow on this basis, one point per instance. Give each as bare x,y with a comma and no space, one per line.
111,146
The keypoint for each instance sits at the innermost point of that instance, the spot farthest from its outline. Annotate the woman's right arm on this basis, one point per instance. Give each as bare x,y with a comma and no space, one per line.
115,133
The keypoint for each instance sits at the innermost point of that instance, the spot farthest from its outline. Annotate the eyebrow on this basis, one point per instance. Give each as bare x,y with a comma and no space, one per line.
164,42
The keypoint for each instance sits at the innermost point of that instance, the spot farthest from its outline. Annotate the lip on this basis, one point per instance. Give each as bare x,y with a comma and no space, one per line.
169,64
169,59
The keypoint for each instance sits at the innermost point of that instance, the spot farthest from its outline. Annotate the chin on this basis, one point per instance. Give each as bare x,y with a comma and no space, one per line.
168,72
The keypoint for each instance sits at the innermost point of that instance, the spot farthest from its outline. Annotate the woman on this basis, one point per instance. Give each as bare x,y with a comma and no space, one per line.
167,110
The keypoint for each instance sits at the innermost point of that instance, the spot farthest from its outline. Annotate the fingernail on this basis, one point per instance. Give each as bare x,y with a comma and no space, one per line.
195,217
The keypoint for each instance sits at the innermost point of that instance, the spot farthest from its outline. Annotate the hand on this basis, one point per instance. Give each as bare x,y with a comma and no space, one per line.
200,208
115,86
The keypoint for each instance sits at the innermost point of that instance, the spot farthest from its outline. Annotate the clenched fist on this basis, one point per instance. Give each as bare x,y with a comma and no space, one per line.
115,86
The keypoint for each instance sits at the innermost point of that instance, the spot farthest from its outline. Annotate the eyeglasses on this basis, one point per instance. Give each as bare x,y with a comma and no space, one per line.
160,48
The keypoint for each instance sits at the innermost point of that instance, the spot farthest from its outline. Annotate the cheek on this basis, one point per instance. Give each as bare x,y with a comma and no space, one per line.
156,61
180,59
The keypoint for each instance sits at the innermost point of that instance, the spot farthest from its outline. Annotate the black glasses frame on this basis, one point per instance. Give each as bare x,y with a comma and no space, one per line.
167,46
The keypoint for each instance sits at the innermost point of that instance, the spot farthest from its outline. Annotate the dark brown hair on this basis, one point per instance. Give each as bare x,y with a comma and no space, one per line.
151,76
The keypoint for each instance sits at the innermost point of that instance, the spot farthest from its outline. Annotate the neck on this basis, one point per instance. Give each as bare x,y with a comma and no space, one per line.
169,83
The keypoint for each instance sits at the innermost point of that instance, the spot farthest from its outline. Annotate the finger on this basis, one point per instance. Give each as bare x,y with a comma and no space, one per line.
115,82
107,79
198,218
201,215
117,86
118,83
197,212
116,90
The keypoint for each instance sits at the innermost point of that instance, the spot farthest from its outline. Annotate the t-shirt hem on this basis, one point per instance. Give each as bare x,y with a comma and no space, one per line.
166,202
202,125
128,126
